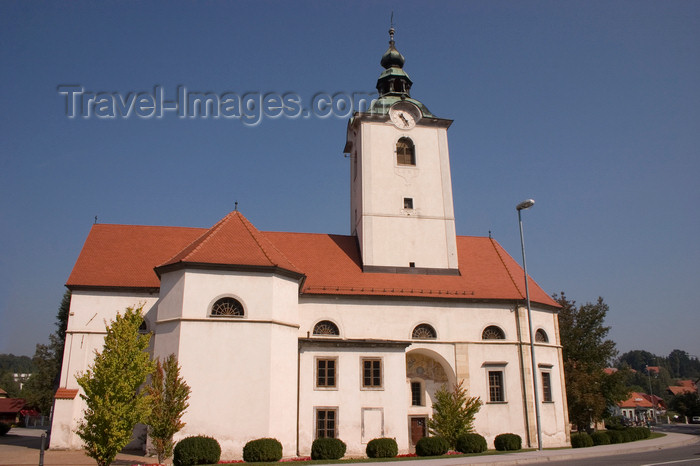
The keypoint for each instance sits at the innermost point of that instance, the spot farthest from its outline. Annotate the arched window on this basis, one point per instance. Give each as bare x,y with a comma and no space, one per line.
493,333
143,328
326,328
405,152
541,336
424,332
227,307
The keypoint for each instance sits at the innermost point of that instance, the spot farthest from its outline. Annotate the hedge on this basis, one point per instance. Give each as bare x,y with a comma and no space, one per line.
471,443
327,449
504,442
382,448
262,450
196,450
432,446
581,440
600,437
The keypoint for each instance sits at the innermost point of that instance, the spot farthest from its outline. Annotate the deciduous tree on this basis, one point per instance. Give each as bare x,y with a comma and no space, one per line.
168,394
587,352
41,386
453,413
111,385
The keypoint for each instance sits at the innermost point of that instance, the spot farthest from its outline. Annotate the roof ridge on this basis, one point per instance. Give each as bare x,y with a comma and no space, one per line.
262,248
202,239
498,253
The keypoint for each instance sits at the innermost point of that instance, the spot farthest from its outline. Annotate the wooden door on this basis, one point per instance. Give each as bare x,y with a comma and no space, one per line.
418,426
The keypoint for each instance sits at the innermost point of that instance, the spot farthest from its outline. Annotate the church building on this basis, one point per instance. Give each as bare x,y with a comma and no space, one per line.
298,335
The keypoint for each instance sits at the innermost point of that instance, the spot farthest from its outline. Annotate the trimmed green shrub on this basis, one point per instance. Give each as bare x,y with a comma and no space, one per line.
635,433
600,437
432,446
581,440
471,443
262,450
615,423
615,436
196,450
4,428
382,448
646,432
506,442
327,449
626,436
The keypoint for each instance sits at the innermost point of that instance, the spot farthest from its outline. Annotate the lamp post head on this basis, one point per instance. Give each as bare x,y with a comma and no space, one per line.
526,204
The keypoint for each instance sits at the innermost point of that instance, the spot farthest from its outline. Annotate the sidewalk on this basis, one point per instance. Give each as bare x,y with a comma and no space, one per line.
21,447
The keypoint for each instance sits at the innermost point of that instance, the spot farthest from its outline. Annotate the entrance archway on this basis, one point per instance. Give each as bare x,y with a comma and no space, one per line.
426,372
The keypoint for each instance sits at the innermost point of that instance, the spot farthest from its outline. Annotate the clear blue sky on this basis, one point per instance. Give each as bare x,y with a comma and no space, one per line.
590,107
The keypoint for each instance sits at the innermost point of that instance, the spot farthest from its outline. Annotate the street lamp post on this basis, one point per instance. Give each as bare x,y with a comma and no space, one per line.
522,206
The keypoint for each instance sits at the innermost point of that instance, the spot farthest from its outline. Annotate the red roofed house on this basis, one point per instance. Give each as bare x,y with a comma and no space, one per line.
298,335
684,386
640,407
10,409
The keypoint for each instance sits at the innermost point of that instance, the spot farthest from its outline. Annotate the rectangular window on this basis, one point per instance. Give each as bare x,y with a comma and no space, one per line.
371,373
408,203
325,373
546,387
496,391
326,422
416,394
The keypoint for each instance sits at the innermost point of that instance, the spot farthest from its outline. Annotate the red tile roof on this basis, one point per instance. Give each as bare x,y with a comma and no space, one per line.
234,240
125,256
11,405
66,393
636,400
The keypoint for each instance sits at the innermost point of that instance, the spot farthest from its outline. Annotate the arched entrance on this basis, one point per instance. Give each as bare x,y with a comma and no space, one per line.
426,372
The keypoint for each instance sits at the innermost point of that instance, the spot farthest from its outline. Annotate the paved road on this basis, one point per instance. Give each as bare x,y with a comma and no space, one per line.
21,447
682,456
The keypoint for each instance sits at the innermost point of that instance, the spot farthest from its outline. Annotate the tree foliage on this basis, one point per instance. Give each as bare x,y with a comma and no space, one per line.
111,385
587,353
41,386
686,404
453,413
168,394
15,364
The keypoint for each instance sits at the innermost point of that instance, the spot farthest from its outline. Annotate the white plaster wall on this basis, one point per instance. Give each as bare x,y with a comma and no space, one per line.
242,370
455,323
90,312
387,228
350,398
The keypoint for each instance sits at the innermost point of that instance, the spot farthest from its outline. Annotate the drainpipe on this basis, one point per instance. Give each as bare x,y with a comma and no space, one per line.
523,381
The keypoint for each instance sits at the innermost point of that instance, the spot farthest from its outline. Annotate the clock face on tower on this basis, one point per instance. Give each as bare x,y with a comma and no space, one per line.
404,115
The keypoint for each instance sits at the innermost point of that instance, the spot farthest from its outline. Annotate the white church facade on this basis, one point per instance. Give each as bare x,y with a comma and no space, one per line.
297,336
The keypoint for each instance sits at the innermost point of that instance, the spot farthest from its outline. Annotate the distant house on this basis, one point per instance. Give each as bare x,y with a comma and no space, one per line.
10,408
3,393
640,407
684,386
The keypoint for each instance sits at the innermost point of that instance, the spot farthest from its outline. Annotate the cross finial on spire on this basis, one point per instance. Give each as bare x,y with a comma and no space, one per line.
391,29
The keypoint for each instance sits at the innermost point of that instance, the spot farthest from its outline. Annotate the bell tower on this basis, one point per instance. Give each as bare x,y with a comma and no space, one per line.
401,207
